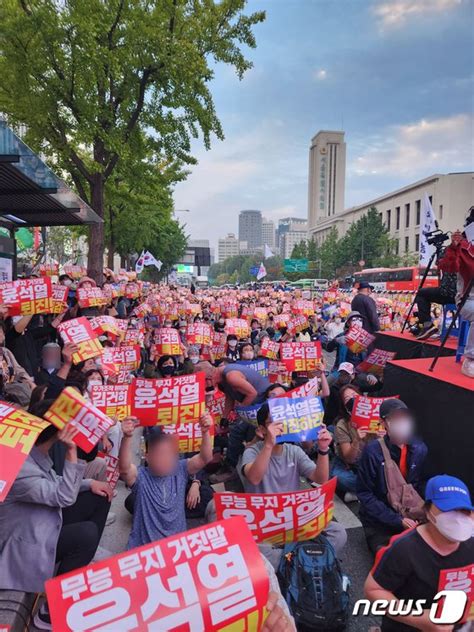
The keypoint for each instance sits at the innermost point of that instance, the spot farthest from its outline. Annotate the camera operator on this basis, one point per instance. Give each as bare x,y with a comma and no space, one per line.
459,259
442,295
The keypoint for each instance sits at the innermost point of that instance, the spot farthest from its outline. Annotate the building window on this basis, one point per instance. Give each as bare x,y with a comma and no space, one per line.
397,219
417,242
407,243
440,211
407,215
389,213
418,211
380,215
431,199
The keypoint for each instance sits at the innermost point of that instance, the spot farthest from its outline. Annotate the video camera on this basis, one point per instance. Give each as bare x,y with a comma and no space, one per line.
436,237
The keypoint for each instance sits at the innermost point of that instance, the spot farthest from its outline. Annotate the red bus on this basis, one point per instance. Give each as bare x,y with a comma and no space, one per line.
397,279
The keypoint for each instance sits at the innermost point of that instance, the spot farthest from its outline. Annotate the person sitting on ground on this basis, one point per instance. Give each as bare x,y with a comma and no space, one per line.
160,488
380,487
367,308
231,349
50,362
338,344
410,567
347,375
38,527
334,327
166,366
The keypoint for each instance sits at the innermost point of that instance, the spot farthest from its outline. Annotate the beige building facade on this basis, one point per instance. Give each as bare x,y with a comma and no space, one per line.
451,196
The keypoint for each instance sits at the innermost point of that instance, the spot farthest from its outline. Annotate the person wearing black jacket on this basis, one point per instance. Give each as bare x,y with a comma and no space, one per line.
365,305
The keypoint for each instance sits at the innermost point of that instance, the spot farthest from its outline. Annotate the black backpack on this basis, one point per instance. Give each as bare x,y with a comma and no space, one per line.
312,583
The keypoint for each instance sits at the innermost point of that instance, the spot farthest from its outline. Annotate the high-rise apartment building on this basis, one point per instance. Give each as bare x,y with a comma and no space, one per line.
327,176
268,233
250,229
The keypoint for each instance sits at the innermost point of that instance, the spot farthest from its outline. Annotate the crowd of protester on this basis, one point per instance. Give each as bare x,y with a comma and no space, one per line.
52,520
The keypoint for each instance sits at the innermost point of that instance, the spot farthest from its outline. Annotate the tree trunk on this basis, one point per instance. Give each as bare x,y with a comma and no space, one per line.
111,244
95,259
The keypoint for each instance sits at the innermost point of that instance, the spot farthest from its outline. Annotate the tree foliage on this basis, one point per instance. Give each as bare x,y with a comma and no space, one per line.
100,83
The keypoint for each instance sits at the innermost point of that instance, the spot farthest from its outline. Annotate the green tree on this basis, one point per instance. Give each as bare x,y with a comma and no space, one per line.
300,251
366,240
329,255
92,78
312,250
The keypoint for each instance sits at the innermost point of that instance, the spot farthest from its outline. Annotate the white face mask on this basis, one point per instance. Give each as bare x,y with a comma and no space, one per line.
194,359
356,322
67,282
92,383
247,356
454,525
232,344
400,431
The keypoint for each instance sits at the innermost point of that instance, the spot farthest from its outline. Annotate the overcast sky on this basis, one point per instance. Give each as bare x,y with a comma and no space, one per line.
395,75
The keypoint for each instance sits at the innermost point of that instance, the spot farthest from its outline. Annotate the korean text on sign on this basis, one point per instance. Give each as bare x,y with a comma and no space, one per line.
113,399
59,298
260,365
301,356
167,342
80,332
237,326
211,578
460,579
169,401
376,361
18,433
27,296
366,413
357,339
112,471
281,518
301,417
126,358
199,334
71,408
91,297
189,436
269,348
311,387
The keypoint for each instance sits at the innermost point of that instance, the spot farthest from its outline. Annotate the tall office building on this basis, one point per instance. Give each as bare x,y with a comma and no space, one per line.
327,175
227,247
250,229
268,233
291,231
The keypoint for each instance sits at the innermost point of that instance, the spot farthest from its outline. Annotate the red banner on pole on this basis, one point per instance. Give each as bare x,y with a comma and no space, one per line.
301,356
18,433
79,331
169,401
71,408
211,578
281,518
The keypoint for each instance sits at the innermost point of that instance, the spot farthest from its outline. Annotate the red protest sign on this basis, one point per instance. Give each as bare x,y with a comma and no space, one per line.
297,324
211,578
18,433
106,324
71,408
79,331
216,405
167,342
169,401
365,412
112,468
277,372
113,399
357,339
310,388
27,296
281,518
189,435
237,326
132,337
269,348
303,307
49,269
301,356
75,271
199,334
376,361
460,579
115,359
59,298
90,297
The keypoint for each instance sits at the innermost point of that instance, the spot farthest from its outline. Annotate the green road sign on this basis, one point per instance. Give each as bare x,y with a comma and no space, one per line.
295,265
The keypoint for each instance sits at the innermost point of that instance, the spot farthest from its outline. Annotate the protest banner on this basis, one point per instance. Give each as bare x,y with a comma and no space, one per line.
230,311
216,405
189,435
365,413
113,399
199,334
115,359
301,417
25,297
269,348
169,401
106,325
297,324
460,579
217,348
75,271
261,314
309,389
357,339
59,294
49,269
112,468
210,578
304,307
282,320
132,337
90,297
71,408
260,365
301,356
247,413
284,517
237,326
376,361
167,342
80,332
277,372
18,433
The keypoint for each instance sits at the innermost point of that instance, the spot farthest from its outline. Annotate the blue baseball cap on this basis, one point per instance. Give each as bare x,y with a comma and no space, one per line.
448,493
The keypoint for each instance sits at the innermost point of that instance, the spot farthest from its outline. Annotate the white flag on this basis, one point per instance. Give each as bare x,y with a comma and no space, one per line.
149,260
261,272
428,223
139,263
267,252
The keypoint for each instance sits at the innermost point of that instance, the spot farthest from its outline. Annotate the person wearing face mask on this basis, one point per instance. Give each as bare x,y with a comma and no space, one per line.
365,305
93,378
167,366
232,351
410,567
334,327
247,352
338,344
390,477
220,325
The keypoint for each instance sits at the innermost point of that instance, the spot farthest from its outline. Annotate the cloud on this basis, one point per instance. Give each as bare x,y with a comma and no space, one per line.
395,13
320,75
418,149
